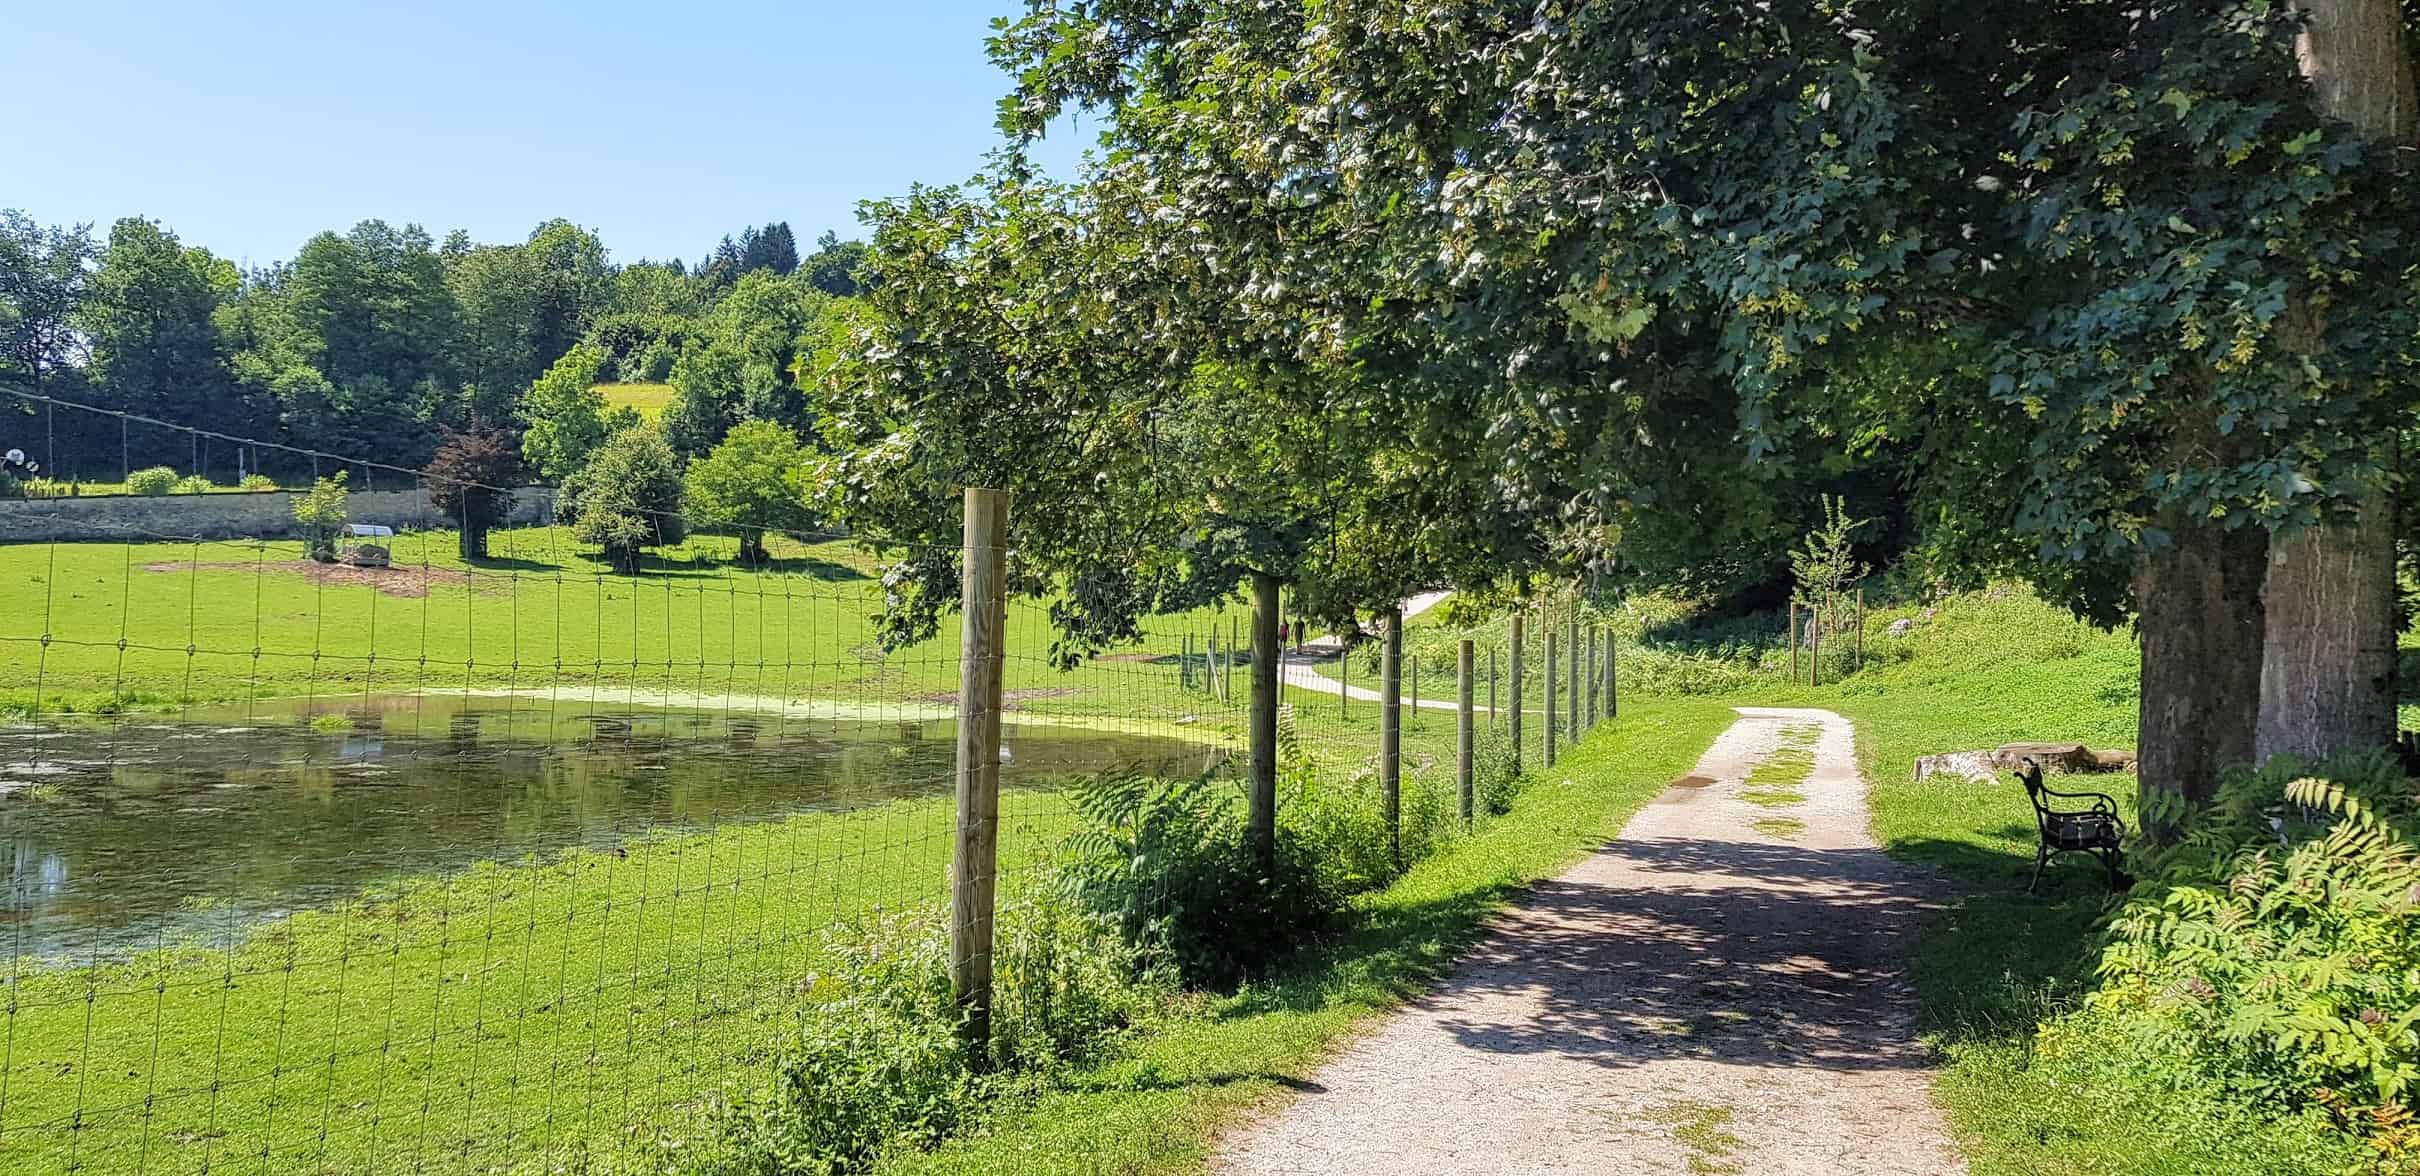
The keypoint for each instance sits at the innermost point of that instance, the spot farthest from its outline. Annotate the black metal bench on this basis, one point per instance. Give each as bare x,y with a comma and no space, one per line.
2095,830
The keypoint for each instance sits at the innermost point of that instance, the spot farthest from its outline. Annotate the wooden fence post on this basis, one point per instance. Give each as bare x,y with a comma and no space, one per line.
975,856
1390,732
1596,675
1793,642
1613,673
1571,653
1344,680
1513,715
1463,674
1814,649
1261,820
1552,719
1226,680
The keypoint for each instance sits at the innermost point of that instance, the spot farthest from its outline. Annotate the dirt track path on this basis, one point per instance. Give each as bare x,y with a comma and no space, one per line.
1700,996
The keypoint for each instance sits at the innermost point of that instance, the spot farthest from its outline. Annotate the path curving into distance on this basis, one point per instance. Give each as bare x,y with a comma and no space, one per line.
1300,665
1721,989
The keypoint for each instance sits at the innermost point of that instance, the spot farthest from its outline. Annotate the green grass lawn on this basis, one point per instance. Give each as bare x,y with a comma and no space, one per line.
107,626
577,1009
649,399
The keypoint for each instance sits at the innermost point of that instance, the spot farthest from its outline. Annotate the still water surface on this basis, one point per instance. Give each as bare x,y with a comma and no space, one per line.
122,837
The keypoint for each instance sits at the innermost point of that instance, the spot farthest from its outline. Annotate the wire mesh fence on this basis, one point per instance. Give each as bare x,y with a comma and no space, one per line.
381,857
435,863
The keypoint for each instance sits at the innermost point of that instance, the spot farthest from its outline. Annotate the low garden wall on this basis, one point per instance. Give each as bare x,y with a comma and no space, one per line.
266,514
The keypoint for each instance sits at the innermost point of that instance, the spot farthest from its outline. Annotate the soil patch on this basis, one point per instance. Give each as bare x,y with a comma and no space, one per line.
410,582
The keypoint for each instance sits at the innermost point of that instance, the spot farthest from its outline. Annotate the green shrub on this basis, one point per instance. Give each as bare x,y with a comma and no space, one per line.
878,1062
1168,861
194,484
1495,770
153,482
320,512
2274,954
257,482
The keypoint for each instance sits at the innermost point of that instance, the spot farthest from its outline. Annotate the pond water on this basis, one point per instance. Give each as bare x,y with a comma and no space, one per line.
123,836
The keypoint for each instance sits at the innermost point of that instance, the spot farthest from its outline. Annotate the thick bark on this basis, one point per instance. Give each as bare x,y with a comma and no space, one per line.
2327,681
2200,624
2328,677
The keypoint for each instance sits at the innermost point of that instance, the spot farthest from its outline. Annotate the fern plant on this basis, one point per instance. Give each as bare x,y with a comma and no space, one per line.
2276,948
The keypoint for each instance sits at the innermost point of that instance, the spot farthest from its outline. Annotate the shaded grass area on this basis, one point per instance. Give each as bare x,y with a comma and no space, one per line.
1160,1108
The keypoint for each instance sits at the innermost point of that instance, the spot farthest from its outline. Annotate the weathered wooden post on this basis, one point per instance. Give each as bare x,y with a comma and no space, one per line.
1463,674
1344,681
975,857
1571,653
1226,679
1390,732
1814,648
1513,716
1491,688
1552,718
1613,674
1596,675
1793,641
1260,824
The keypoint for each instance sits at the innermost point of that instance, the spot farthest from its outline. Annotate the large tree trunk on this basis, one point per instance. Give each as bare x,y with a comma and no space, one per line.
2200,623
2328,677
2327,681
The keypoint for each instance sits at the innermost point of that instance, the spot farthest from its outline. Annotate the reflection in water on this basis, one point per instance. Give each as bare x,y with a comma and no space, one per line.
124,837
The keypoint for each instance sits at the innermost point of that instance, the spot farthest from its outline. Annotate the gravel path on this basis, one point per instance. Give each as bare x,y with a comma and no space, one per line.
1299,667
1700,996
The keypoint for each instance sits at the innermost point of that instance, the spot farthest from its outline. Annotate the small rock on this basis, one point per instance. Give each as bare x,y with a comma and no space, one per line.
2113,759
1901,627
2054,757
1975,766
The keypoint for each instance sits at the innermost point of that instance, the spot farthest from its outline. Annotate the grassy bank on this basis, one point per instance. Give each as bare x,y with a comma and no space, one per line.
1158,1109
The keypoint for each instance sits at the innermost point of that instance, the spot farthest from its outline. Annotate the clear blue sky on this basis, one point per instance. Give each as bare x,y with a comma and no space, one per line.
248,126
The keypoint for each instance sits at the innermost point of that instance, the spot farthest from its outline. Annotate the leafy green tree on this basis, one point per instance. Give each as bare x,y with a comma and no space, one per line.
150,320
563,417
628,498
2088,243
833,267
368,317
43,273
320,512
497,290
752,483
574,286
745,368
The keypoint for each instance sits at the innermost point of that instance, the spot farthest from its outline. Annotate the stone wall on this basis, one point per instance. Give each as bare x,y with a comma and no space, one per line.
259,515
